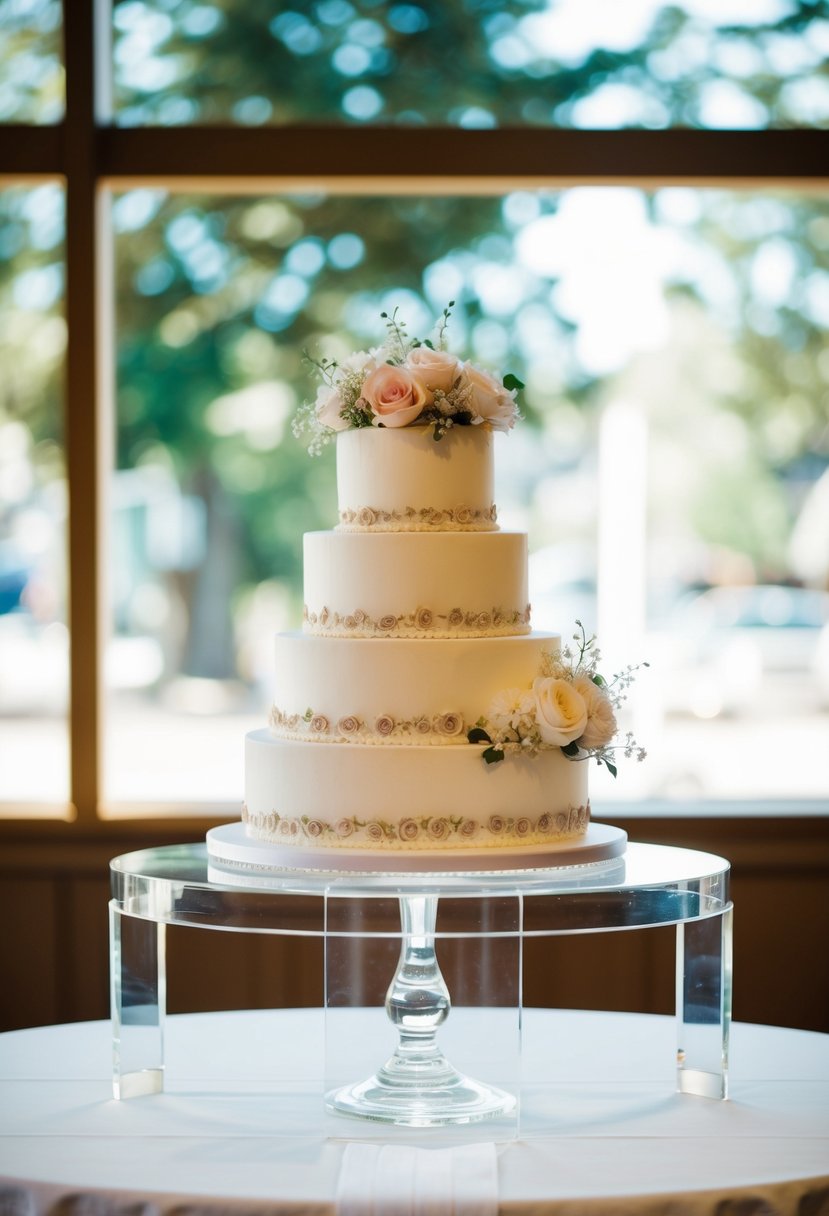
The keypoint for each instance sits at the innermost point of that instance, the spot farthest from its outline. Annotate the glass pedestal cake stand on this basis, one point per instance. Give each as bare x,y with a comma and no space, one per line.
607,884
417,1085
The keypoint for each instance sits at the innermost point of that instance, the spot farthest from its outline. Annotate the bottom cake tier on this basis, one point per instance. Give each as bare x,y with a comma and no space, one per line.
406,798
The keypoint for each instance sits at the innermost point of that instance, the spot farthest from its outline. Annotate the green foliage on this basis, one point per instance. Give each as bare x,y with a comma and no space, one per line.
216,296
478,735
31,70
471,63
32,331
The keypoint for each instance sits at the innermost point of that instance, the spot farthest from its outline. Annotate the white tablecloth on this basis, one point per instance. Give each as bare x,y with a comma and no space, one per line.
240,1126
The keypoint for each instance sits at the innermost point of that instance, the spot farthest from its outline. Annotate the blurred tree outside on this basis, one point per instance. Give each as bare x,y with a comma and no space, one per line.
218,300
32,344
707,308
32,83
473,63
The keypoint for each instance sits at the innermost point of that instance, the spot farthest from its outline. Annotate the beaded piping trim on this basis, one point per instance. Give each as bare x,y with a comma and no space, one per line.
426,728
419,519
412,624
418,831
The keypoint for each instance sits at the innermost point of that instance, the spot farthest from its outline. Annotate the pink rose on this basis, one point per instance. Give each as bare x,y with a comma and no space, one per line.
560,711
601,720
433,369
490,400
328,406
394,397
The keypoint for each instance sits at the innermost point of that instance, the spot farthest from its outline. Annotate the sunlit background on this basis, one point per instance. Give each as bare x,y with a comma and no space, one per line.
671,468
576,63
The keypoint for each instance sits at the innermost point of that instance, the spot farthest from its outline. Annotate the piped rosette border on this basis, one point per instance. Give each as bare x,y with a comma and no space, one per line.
418,831
418,519
440,730
422,622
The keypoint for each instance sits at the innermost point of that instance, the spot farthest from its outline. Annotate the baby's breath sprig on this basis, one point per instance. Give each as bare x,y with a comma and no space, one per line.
397,334
450,409
354,409
326,368
617,688
443,324
306,427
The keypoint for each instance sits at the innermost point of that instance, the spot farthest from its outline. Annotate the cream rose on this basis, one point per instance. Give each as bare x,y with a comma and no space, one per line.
601,720
433,369
394,397
327,408
560,711
490,401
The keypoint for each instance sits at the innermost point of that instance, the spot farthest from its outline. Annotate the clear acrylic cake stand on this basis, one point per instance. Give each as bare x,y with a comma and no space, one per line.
648,885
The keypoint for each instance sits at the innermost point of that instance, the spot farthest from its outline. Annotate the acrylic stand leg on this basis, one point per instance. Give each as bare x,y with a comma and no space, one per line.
417,1086
138,997
703,1005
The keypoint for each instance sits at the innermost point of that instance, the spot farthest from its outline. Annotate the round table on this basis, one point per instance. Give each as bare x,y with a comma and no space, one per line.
241,1125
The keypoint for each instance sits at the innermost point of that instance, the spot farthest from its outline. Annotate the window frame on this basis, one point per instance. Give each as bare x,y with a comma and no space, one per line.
91,156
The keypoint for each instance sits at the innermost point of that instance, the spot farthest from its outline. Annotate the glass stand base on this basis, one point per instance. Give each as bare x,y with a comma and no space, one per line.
442,1096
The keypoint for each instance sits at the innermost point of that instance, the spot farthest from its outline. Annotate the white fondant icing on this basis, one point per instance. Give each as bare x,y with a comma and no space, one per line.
403,480
451,584
401,678
363,797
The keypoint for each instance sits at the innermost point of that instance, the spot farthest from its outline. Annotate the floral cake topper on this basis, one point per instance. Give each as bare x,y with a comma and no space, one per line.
569,706
405,382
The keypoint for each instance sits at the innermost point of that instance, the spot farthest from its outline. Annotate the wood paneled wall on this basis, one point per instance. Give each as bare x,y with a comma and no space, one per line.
54,890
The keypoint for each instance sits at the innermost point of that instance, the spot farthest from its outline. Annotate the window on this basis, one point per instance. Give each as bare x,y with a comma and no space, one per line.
663,292
32,85
34,649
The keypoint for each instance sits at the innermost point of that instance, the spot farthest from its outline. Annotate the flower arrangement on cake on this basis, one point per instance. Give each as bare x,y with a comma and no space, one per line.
407,381
570,705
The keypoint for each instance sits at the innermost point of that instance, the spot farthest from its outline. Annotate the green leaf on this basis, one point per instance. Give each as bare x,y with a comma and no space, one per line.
597,679
511,381
572,749
611,768
492,755
477,735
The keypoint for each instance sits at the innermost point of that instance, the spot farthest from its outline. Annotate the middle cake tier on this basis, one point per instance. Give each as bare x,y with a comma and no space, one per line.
397,690
416,584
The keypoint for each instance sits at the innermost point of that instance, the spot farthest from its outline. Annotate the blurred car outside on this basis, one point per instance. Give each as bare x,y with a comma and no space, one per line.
745,650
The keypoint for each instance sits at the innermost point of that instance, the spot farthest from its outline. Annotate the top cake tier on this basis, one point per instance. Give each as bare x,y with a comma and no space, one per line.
402,480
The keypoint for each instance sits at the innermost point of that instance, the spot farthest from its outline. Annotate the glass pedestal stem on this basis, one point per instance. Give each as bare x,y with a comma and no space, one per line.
417,1086
418,1001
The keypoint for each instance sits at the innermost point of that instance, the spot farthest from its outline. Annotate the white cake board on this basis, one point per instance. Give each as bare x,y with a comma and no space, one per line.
228,846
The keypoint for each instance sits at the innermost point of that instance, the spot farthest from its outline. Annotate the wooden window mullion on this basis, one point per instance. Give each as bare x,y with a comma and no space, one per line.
88,317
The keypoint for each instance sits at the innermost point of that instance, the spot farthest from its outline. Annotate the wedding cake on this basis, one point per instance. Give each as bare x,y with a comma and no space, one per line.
417,710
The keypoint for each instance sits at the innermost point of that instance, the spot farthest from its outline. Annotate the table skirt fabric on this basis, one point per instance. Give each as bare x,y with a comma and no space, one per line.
241,1128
